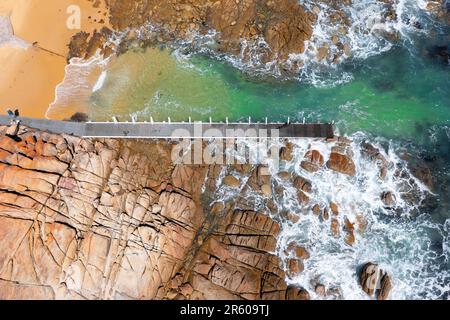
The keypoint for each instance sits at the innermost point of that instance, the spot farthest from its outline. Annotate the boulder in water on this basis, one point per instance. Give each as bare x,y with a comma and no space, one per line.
286,152
388,199
375,281
295,267
341,160
313,161
334,208
325,214
293,293
231,181
335,227
266,190
385,287
321,291
300,252
349,227
374,154
303,184
316,209
284,175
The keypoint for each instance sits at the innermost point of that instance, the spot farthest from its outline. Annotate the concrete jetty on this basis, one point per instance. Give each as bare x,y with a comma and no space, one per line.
174,130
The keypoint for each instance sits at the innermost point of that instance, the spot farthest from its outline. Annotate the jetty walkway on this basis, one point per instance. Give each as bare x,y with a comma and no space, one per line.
173,130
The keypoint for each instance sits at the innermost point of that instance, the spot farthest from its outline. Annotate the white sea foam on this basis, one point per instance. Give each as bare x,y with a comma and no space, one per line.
412,248
77,85
100,82
7,37
369,27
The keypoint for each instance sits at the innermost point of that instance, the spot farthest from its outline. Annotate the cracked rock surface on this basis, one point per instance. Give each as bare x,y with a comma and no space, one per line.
114,219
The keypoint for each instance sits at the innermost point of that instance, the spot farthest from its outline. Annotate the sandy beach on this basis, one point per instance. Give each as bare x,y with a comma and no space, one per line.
33,61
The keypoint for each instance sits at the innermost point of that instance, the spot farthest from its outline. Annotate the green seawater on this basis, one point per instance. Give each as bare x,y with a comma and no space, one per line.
400,97
395,95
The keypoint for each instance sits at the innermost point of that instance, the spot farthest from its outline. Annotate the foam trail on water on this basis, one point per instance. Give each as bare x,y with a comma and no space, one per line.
100,82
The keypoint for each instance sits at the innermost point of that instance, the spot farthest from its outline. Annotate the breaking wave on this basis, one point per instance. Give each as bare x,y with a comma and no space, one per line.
404,240
82,77
342,33
356,32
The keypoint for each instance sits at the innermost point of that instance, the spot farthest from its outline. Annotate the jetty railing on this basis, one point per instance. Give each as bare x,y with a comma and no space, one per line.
169,129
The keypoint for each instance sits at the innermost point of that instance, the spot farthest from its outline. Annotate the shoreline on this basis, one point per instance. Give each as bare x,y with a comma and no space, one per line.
29,76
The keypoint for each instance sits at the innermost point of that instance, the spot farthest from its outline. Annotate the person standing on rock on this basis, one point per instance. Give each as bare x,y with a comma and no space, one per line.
14,126
10,113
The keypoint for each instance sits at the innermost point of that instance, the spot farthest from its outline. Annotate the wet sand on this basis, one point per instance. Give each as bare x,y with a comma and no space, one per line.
29,75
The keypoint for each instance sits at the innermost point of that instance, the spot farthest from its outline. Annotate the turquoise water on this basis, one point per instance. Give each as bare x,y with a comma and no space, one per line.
396,94
399,99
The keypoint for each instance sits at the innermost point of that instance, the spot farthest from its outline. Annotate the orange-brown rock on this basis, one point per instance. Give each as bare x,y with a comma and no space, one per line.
115,219
334,208
231,181
335,227
313,161
321,290
325,214
341,157
375,281
388,199
295,267
316,209
300,252
374,154
286,152
303,184
341,160
350,230
284,25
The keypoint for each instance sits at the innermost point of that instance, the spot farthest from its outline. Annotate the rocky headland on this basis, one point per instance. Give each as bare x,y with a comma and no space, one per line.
111,219
269,34
116,219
